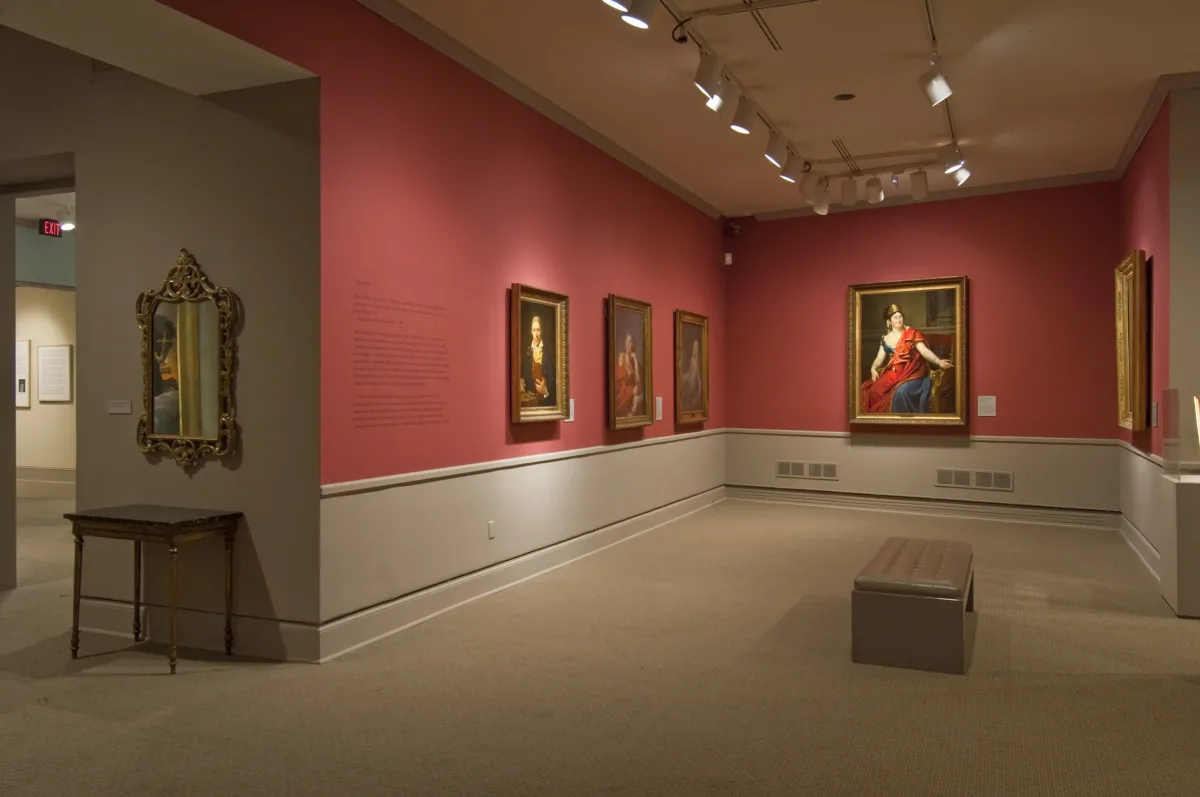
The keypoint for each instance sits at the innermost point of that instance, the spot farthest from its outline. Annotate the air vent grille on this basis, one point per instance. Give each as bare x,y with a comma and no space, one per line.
826,471
974,479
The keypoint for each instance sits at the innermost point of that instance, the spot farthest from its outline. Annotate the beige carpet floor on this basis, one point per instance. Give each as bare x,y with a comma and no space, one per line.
708,657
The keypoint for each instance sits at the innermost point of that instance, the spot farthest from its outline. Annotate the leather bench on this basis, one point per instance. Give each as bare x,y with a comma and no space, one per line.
909,603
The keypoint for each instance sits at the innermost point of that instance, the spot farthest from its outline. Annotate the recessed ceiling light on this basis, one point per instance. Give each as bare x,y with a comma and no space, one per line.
843,97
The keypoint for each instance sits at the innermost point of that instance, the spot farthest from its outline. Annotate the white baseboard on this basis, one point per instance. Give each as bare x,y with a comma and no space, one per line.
1142,547
253,637
46,483
285,641
362,628
1042,516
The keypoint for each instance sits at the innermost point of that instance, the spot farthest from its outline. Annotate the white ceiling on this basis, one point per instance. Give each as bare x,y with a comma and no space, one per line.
1044,90
50,206
150,39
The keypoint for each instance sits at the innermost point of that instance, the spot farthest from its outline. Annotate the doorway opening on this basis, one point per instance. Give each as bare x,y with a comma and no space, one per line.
45,450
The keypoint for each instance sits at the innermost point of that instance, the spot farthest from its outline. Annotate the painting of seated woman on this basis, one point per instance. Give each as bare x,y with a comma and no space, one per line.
630,370
908,345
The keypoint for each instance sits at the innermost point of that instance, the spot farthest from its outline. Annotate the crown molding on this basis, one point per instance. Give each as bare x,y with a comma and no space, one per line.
435,37
1158,95
943,196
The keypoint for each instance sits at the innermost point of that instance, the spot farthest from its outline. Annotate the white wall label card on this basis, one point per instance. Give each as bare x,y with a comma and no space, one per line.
22,373
570,410
54,373
987,406
658,408
120,407
1154,414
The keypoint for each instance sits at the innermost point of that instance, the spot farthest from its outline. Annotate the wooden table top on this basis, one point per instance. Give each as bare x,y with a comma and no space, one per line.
154,516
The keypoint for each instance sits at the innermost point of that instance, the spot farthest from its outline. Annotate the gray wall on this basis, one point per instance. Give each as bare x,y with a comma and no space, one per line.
8,429
43,260
157,170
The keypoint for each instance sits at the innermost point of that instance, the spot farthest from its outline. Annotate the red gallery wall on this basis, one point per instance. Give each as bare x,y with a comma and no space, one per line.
440,190
1041,334
1146,225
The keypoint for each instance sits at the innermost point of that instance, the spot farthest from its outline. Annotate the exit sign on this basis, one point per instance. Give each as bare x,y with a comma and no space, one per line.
50,227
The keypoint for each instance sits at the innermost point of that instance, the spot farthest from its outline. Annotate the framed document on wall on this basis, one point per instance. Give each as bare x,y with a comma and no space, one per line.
54,373
22,373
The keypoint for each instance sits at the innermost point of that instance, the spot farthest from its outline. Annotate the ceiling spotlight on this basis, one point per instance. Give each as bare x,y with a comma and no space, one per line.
777,148
724,91
950,157
895,181
849,191
793,168
708,74
874,191
961,175
68,222
639,13
919,180
821,208
934,83
745,116
620,5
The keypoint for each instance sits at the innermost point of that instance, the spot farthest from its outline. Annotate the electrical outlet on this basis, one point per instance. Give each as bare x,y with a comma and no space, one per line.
491,529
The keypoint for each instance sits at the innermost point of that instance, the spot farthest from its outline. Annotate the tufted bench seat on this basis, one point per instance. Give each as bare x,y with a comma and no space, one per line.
908,604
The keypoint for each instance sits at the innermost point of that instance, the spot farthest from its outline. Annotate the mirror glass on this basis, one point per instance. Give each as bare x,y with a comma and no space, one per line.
185,391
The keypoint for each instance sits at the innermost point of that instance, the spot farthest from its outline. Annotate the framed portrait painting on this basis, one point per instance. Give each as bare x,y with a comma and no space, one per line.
539,356
908,352
691,367
1130,279
630,367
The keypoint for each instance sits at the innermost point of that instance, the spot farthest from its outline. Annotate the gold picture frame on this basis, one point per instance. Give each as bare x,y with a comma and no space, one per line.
189,353
926,384
1130,293
630,363
539,376
691,367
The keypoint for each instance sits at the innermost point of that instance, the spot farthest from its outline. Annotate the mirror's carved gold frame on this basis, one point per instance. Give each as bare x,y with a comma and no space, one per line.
187,282
1130,284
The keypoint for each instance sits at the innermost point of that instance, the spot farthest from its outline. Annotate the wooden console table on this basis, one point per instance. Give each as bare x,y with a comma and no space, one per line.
167,525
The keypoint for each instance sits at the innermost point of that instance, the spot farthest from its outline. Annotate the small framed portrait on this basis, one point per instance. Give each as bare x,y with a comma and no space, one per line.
1132,338
630,368
908,352
691,367
540,383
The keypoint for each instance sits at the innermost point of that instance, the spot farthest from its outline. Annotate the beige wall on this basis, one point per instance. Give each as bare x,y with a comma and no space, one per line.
157,170
8,476
1184,367
382,544
45,432
1052,474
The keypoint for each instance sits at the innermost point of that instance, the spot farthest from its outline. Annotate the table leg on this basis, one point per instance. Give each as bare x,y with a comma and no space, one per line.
75,596
137,591
228,593
173,588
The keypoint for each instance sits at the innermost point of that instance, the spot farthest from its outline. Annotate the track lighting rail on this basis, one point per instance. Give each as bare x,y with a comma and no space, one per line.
742,8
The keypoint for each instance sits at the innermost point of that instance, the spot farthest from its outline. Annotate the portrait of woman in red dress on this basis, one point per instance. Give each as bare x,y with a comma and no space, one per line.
900,374
628,395
630,370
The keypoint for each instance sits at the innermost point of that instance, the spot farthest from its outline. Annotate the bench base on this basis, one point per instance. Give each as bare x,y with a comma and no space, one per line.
914,632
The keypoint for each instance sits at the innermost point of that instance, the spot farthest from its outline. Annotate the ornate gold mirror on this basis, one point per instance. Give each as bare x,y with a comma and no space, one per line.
188,351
